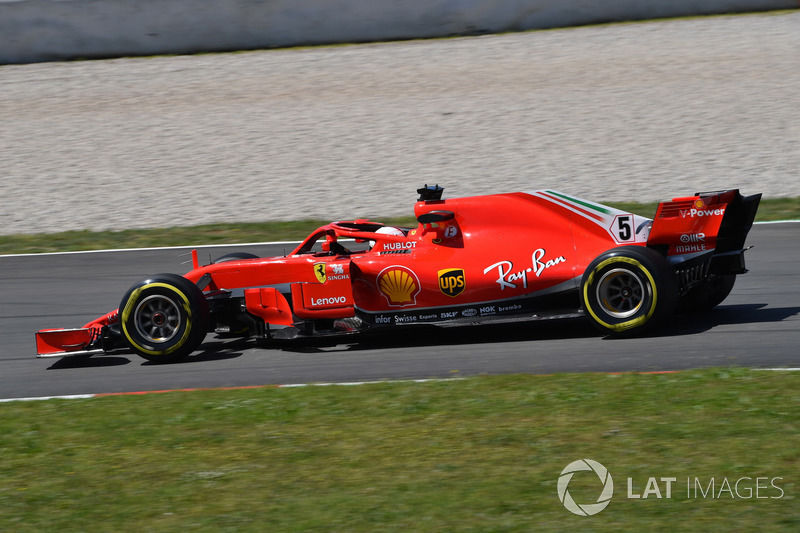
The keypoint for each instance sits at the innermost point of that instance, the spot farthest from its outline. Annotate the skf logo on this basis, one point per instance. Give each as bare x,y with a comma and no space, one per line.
451,281
399,285
319,272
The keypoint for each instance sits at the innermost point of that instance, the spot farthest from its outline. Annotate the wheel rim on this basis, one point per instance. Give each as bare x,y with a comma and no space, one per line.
620,293
157,318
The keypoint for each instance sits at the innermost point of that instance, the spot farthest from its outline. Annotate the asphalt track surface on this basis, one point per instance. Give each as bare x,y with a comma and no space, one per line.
757,326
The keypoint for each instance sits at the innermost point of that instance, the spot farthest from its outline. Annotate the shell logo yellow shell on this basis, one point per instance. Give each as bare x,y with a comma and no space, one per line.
699,204
399,285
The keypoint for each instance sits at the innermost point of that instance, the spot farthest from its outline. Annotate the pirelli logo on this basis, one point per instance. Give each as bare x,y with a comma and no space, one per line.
451,281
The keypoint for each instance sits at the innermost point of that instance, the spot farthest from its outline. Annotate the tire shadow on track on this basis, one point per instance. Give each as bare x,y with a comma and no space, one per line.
725,315
213,350
425,336
89,362
216,349
421,335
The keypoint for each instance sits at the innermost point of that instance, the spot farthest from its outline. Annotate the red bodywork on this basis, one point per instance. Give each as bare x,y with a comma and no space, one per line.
468,258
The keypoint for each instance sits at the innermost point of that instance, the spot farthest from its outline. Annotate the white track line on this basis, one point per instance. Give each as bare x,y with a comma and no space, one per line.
199,246
187,247
69,397
300,385
285,386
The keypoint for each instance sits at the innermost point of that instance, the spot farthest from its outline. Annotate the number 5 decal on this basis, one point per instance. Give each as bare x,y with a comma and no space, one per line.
623,226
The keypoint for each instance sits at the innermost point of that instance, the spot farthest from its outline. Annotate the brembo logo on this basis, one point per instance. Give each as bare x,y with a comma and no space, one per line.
399,285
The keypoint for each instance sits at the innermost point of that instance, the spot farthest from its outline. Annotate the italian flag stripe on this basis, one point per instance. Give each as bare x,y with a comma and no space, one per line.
581,202
595,217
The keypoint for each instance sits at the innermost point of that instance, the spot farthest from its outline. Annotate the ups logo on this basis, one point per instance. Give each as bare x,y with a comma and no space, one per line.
451,281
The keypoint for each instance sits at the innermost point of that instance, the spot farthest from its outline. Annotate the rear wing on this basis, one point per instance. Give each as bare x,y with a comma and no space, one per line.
712,224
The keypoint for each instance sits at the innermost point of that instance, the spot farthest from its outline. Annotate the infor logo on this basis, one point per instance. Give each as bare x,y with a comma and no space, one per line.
591,508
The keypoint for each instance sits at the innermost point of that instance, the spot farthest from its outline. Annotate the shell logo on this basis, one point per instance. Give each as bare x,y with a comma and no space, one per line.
699,204
399,285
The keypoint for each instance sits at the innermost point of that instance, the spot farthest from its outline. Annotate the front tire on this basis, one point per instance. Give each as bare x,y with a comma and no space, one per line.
628,290
163,318
234,256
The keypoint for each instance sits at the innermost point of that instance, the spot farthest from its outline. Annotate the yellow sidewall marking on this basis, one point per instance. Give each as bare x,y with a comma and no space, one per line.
622,326
129,306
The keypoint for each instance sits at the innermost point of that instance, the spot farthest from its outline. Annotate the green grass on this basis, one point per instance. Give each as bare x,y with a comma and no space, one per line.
179,236
482,454
770,209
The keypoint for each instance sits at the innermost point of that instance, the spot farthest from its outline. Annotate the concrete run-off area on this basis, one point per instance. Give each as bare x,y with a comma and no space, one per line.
631,112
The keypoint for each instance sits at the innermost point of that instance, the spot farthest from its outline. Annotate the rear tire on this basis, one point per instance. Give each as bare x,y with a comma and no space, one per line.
164,318
629,290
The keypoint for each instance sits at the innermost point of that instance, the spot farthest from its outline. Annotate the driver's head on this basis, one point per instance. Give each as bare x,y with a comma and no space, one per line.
390,230
387,230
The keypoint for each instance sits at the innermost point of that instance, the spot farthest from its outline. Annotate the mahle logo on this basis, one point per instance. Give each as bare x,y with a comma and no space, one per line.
587,509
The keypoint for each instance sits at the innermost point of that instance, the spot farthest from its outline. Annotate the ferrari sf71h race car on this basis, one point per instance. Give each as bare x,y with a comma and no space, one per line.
538,255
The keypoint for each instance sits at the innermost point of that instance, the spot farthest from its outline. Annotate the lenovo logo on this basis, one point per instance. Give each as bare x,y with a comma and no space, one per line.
329,301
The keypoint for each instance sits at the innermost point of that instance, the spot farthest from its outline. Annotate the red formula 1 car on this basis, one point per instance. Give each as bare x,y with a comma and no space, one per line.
538,255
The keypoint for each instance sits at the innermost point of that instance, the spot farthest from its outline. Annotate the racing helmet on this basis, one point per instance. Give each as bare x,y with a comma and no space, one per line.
390,230
387,230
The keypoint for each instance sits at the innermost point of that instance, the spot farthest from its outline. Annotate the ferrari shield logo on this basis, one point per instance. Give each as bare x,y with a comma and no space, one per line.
451,281
319,272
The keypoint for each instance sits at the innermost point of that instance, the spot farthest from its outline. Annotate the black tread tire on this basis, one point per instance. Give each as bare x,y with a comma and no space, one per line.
641,273
233,256
184,316
708,295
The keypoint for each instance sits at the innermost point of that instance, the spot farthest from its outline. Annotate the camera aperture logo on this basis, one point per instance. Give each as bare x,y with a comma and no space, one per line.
587,509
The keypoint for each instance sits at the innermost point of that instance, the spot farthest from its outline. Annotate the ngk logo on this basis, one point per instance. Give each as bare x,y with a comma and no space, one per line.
693,237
